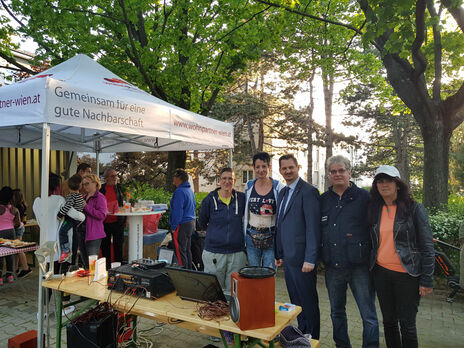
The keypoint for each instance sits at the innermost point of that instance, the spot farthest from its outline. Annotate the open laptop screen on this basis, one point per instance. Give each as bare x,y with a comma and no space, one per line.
165,254
195,286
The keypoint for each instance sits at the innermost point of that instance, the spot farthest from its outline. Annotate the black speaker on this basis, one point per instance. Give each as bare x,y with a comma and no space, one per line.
97,332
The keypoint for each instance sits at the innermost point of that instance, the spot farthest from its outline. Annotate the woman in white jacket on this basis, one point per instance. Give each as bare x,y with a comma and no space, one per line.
260,213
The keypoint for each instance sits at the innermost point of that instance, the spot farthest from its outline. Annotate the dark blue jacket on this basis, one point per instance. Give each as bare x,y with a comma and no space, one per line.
345,233
182,208
223,223
298,235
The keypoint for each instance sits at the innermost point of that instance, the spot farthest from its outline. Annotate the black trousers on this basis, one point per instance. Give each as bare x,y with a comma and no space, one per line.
398,295
114,230
302,291
75,245
81,244
182,238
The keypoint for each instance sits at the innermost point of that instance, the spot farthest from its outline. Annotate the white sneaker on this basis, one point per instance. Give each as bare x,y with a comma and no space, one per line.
67,310
215,339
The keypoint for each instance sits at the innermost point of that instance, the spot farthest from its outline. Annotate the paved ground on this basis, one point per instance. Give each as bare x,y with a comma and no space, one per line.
440,324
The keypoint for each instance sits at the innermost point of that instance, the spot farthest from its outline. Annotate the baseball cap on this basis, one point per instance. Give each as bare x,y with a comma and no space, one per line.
388,170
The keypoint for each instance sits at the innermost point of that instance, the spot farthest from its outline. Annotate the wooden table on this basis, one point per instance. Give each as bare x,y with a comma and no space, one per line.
169,309
135,221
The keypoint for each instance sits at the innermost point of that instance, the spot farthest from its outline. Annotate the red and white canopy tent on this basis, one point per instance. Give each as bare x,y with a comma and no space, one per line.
81,106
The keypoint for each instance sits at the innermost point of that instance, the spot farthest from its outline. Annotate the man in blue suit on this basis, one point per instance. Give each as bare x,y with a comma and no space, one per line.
297,242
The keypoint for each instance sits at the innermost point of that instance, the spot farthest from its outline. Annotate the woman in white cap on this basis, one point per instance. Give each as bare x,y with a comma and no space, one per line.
403,256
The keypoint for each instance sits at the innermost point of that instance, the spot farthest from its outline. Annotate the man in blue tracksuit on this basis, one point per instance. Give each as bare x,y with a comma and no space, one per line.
221,215
345,250
182,218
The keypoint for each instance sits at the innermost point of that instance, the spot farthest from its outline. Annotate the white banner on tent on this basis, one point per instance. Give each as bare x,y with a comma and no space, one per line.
81,94
71,105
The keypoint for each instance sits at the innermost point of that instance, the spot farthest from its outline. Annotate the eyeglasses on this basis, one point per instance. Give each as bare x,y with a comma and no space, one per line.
339,171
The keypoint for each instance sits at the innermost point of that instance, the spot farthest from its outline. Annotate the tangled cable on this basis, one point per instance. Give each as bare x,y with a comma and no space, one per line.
213,310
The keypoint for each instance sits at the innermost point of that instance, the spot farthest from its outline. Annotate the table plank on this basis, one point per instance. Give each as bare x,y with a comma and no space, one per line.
169,308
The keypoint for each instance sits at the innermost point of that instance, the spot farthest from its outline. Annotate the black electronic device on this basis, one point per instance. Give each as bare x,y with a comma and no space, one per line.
195,285
148,263
95,328
140,281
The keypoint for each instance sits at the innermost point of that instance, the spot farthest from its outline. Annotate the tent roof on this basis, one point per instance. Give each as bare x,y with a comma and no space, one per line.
91,109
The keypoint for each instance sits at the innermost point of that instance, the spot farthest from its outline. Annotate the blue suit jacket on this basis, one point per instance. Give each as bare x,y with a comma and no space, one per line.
299,235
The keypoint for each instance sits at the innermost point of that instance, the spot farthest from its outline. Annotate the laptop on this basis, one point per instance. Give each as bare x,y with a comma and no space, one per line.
166,255
195,285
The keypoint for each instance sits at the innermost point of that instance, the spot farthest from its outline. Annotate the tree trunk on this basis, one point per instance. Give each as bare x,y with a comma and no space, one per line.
262,72
400,137
309,174
328,85
309,142
436,166
196,174
176,159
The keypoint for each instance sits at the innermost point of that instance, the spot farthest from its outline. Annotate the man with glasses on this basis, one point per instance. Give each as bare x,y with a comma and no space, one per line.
345,251
113,225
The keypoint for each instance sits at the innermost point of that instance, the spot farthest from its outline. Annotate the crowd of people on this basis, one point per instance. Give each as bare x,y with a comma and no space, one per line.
377,243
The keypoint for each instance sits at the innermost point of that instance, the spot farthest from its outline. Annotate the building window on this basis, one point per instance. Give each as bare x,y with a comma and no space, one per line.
247,175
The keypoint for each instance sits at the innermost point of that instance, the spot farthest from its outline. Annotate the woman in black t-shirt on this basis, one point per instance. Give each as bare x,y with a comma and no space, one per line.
260,213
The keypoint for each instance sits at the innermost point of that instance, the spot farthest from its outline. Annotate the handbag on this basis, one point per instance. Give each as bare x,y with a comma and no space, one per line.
262,240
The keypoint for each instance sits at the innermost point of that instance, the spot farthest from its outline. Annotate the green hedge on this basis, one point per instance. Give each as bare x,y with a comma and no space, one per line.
159,195
445,226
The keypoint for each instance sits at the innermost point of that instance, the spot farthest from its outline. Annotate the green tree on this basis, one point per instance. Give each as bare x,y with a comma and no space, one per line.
390,133
423,60
457,160
142,167
184,52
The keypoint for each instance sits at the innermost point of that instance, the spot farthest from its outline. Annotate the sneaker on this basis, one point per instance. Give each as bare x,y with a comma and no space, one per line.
24,273
65,257
229,336
67,310
10,279
214,339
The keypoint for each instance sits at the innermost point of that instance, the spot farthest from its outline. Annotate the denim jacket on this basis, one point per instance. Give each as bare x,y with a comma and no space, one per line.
413,242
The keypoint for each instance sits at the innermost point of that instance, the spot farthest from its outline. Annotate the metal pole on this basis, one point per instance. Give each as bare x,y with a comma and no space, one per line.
97,149
44,221
97,157
230,158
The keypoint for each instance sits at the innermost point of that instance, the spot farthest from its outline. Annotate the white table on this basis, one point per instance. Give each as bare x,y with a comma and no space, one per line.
135,221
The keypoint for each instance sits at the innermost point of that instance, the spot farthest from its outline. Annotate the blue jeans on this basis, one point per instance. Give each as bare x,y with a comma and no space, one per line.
360,281
67,224
260,257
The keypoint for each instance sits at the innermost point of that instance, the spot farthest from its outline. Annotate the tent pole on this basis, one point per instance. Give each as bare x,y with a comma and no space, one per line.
97,158
230,158
44,221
